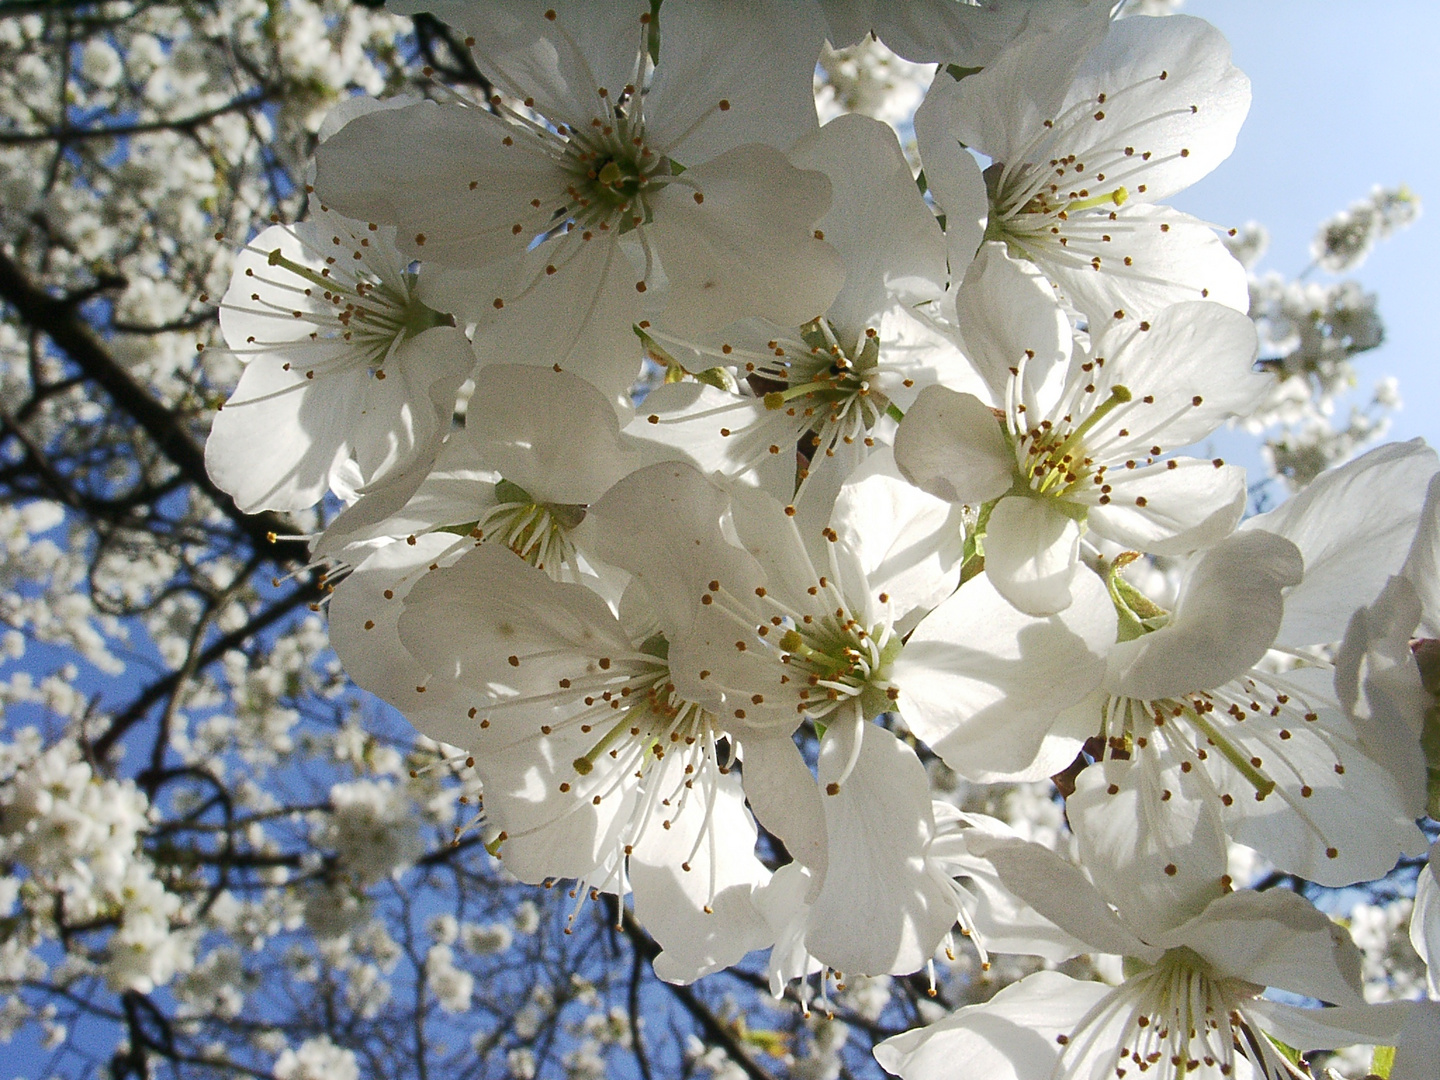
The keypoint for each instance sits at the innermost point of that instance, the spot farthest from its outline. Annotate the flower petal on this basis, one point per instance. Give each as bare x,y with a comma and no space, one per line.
1279,939
1031,551
985,685
952,446
758,57
890,241
693,882
1152,838
880,910
1230,608
1010,1037
747,249
1354,526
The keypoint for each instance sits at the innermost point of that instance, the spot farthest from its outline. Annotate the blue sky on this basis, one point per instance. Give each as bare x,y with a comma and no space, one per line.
1345,96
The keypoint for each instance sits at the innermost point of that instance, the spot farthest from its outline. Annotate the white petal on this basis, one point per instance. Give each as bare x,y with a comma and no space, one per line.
880,909
1185,122
1169,511
890,241
693,882
1335,817
1418,1046
1422,564
1010,1037
1058,890
1152,838
581,317
907,543
1379,685
406,414
1354,526
1230,608
550,432
785,798
984,685
1332,1029
1002,922
1007,312
688,420
1174,258
561,62
952,176
364,634
952,446
1276,938
279,442
758,57
1002,110
413,168
749,248
1425,920
681,548
467,621
552,833
1190,371
1031,551
948,33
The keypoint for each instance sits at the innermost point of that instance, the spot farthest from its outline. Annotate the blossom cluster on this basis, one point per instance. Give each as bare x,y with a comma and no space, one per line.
710,476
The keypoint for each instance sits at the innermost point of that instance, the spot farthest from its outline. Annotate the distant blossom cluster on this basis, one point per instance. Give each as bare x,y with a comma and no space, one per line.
707,472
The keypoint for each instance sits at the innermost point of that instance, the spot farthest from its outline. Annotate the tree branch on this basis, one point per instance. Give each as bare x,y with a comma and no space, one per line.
60,322
169,684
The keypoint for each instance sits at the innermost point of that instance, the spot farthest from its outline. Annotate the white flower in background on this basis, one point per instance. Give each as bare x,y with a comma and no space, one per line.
317,1059
599,175
349,379
1345,240
371,828
453,987
869,79
1084,143
144,952
1083,439
1190,1003
486,939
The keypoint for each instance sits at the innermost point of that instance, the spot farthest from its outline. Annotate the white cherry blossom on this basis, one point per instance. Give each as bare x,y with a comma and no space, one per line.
1189,1006
844,378
1083,440
1084,144
594,175
349,379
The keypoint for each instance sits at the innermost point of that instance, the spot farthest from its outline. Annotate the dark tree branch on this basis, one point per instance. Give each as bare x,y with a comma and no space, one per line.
66,134
170,684
711,1024
61,323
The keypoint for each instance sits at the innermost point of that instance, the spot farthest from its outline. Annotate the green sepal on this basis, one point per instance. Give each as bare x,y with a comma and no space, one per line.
1291,1054
956,72
656,645
719,377
507,491
1382,1062
1430,744
464,528
1137,613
